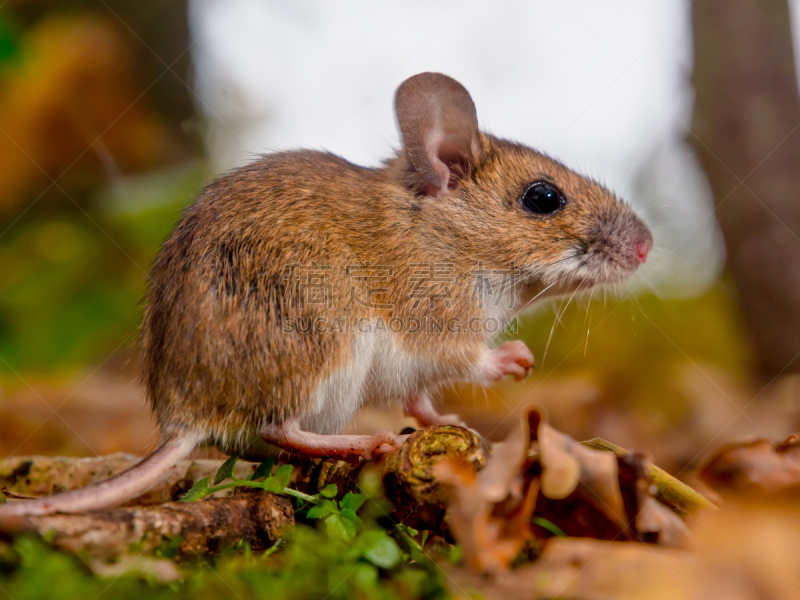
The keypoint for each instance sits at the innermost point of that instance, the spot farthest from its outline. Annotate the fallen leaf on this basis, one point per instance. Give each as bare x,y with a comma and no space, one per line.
755,468
540,473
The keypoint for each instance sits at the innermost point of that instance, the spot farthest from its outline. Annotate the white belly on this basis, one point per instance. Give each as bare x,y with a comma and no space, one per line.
379,373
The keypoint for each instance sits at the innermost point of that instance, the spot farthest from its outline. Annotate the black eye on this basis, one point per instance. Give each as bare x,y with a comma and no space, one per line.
543,198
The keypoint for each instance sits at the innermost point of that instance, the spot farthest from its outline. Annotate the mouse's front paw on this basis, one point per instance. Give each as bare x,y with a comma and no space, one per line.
512,358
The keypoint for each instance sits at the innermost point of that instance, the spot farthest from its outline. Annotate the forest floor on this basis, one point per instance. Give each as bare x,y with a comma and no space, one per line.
534,514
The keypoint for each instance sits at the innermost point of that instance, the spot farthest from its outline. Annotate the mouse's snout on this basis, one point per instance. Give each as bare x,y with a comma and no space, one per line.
635,241
618,243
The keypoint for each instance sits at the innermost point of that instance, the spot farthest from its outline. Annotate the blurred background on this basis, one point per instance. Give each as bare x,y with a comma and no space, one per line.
113,114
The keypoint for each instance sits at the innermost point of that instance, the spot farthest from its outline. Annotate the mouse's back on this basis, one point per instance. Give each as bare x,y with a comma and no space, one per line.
215,356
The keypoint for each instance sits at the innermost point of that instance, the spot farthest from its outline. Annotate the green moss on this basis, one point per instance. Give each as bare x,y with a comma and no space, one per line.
313,565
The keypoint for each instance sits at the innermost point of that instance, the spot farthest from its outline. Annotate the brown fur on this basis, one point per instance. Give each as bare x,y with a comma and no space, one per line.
216,357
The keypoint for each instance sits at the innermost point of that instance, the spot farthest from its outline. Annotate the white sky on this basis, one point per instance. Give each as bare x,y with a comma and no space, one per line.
602,86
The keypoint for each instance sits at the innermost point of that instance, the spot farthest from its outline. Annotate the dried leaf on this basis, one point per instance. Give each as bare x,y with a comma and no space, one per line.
755,468
568,466
488,512
584,492
583,569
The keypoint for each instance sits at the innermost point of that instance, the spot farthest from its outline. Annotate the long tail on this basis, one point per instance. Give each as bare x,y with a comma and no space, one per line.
125,486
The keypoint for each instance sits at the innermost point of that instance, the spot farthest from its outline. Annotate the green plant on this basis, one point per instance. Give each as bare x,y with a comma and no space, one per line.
339,519
342,547
261,478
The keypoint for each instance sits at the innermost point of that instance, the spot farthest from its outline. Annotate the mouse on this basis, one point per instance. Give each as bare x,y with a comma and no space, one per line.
301,287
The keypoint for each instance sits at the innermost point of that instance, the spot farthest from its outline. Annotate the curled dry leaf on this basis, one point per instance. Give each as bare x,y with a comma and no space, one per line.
489,511
569,467
587,493
409,475
540,472
755,468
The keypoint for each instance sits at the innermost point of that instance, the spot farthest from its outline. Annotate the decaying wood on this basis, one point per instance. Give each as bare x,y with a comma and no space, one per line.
34,476
199,528
313,474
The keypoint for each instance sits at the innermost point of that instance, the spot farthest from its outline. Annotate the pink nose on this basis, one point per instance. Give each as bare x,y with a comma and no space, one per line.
643,248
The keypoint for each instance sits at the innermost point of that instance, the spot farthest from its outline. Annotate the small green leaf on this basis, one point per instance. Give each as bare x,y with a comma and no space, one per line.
264,469
197,491
351,524
409,530
283,474
226,470
351,516
271,484
329,491
352,501
380,549
2,498
336,528
323,509
548,526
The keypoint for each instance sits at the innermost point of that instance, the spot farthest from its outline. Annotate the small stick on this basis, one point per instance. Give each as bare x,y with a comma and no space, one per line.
670,490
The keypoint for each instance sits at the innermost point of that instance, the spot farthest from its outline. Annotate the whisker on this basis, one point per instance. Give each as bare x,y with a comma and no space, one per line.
529,302
589,319
558,321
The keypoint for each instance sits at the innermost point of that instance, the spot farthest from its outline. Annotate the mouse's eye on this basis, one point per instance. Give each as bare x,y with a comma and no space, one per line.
543,198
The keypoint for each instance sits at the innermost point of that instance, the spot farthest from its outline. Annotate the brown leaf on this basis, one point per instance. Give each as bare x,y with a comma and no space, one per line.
608,497
653,521
760,563
583,569
567,464
584,492
755,468
489,512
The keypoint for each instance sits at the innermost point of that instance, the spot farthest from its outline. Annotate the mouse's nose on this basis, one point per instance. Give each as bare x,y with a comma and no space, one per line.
643,247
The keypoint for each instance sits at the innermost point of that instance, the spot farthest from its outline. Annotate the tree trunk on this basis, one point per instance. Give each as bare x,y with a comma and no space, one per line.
746,131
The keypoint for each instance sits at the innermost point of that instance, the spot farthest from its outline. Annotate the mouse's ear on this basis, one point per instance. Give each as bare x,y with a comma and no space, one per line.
440,130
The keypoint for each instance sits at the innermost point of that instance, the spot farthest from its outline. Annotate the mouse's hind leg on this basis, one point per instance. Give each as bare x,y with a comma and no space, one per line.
422,410
290,437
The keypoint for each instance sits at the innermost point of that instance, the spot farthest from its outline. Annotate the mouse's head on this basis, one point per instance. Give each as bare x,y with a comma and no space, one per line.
499,202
